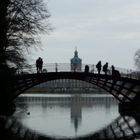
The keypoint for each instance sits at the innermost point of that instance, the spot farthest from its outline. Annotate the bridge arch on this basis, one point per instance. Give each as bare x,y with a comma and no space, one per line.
123,89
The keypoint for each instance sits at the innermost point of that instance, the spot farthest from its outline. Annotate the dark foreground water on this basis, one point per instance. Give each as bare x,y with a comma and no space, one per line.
74,116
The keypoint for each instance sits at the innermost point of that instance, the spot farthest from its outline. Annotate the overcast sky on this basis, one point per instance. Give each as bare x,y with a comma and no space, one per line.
106,30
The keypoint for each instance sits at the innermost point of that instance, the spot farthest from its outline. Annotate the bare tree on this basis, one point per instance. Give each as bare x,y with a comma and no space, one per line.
22,21
137,59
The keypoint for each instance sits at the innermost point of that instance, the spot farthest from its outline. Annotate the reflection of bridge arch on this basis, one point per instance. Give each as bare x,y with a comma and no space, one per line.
123,89
122,128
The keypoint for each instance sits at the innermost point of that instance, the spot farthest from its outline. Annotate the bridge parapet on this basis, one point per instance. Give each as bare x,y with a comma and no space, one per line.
66,67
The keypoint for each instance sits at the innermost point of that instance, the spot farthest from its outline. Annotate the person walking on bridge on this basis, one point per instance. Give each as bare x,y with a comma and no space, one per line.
105,68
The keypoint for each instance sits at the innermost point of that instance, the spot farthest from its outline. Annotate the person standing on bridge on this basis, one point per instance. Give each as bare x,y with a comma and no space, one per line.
86,68
99,66
39,65
115,73
105,68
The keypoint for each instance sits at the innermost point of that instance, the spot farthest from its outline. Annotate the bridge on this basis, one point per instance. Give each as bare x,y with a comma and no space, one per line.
125,88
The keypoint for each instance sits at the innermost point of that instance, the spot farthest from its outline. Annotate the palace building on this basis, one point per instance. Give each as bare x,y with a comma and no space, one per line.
76,63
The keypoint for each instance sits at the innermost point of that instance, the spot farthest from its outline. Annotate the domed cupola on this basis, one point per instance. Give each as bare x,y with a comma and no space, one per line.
76,62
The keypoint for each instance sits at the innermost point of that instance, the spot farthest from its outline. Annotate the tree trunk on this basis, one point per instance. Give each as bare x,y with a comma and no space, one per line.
3,30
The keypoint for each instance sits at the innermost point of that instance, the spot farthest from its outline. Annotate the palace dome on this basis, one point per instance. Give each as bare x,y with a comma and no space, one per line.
76,59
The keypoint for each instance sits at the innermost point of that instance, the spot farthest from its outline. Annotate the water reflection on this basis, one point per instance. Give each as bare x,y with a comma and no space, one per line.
69,117
66,115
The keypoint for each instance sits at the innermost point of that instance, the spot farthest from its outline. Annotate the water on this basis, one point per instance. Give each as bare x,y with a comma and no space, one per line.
66,115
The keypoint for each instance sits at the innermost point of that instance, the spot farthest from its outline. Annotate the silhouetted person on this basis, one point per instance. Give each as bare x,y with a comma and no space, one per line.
39,64
113,68
86,68
105,68
99,66
115,73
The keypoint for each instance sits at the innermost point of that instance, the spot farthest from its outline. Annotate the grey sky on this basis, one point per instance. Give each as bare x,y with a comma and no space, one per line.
106,30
